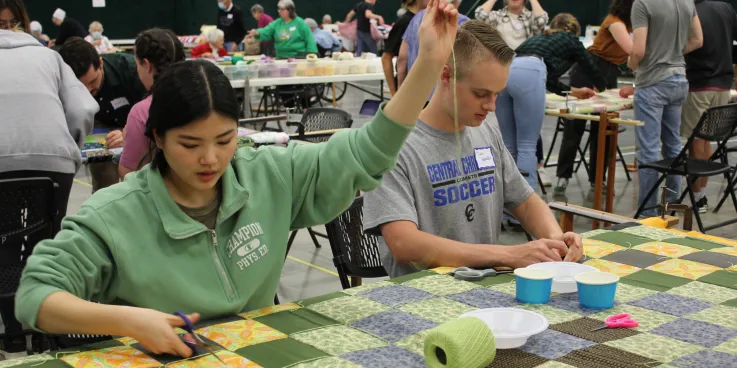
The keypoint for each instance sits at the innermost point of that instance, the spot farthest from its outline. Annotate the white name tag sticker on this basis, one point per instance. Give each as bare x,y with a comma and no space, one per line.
485,158
517,25
230,16
119,102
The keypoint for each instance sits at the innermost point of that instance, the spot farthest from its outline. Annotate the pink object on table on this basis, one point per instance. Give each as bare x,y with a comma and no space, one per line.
136,145
618,321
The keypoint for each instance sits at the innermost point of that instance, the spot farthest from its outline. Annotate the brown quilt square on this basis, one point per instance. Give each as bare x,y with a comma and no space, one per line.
516,358
582,328
603,356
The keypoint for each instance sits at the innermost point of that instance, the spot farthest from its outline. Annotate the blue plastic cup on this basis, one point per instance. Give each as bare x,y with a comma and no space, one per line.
533,285
596,290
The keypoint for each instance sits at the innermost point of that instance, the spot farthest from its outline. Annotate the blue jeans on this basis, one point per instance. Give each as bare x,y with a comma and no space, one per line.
364,42
659,107
520,109
229,46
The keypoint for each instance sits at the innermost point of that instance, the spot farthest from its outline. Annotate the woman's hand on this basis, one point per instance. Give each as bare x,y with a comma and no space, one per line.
155,330
114,139
438,31
252,33
582,93
626,91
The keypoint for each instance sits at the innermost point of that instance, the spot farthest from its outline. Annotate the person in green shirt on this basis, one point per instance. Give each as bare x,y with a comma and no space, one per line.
291,35
203,228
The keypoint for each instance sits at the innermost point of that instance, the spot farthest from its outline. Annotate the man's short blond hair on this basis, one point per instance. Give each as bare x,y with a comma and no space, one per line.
477,40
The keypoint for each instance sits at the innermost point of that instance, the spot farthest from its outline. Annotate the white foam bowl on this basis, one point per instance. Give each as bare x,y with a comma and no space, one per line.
511,326
564,274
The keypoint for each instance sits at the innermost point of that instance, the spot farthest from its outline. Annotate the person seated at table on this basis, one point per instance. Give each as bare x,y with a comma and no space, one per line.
112,79
540,62
291,35
327,19
611,48
37,32
437,209
68,28
203,229
327,43
46,115
263,20
213,48
156,50
102,43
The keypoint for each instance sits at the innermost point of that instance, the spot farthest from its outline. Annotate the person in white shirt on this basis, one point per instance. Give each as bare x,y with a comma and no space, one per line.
101,43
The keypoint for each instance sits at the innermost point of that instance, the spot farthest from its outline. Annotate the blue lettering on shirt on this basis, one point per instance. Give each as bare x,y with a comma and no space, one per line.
464,191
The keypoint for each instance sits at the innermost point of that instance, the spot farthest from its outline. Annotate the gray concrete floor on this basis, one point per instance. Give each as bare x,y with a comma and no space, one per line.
309,271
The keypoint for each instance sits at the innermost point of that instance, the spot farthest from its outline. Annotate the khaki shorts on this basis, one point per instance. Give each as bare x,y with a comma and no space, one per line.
695,106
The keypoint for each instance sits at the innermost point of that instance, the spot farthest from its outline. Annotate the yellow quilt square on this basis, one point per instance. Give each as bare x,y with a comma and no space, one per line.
269,310
239,334
230,359
684,268
119,356
666,249
127,340
597,248
732,251
618,269
443,270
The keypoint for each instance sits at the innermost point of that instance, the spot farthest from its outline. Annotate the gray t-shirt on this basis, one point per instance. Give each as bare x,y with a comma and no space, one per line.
668,23
460,200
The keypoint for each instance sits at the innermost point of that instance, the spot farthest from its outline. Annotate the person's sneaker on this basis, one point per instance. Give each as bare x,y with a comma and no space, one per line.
701,205
560,188
544,177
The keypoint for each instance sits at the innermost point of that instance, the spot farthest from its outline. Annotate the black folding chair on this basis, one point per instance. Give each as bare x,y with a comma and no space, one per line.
27,216
723,156
315,120
716,125
355,254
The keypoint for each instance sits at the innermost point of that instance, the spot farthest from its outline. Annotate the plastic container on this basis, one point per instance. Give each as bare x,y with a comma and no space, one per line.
253,71
564,273
533,286
241,71
310,69
229,71
342,67
358,67
511,326
596,290
287,70
373,66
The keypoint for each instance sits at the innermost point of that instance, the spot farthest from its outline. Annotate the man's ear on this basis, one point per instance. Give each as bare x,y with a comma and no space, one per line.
446,76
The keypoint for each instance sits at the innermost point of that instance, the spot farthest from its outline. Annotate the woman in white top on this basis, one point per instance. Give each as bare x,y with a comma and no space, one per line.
101,43
515,22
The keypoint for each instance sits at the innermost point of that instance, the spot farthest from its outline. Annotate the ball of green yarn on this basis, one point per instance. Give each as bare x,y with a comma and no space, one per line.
461,343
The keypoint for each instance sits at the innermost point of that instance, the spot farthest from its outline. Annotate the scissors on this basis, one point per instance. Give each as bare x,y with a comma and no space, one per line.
189,327
470,274
618,321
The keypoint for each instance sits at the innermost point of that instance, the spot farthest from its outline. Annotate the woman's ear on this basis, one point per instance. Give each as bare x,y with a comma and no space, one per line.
159,141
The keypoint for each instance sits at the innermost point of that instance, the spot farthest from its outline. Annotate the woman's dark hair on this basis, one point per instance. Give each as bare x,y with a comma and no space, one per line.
622,10
160,47
19,13
183,93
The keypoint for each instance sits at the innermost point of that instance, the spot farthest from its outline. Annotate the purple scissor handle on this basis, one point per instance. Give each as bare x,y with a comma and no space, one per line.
198,343
618,321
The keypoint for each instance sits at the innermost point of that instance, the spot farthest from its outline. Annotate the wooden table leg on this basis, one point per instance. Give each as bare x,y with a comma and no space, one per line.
335,104
599,171
566,222
613,133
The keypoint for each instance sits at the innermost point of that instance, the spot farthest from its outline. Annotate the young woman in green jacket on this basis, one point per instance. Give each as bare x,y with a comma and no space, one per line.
203,228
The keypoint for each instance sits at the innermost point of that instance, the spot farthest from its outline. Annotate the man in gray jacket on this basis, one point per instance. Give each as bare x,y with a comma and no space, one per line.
45,115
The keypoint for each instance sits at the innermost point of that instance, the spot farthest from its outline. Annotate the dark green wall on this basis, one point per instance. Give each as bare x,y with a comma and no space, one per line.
125,18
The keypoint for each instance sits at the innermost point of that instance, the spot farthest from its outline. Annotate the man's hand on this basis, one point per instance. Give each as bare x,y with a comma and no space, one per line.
114,139
582,93
626,91
575,246
543,250
438,31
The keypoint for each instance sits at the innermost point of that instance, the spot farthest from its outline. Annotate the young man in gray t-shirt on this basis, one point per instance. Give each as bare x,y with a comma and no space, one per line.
442,205
662,32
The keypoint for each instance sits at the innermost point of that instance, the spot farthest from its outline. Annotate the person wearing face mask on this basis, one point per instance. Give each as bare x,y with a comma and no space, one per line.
230,21
213,49
102,44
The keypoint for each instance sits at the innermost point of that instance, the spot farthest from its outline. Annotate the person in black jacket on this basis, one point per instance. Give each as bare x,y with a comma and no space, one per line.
230,21
709,73
68,28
